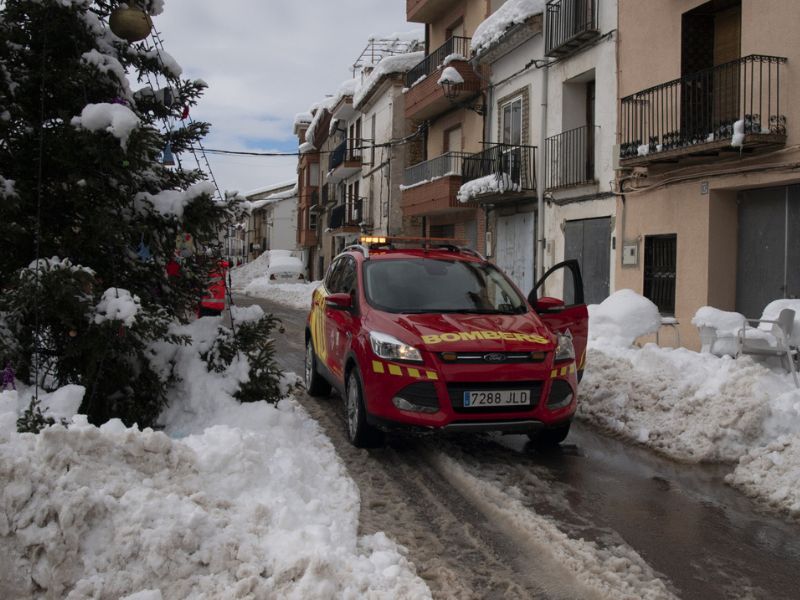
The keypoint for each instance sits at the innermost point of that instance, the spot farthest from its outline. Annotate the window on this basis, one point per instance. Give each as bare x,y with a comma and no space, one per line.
312,221
313,175
660,262
511,116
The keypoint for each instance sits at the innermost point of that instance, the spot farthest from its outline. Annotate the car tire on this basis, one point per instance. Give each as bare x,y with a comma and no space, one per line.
316,384
360,433
548,439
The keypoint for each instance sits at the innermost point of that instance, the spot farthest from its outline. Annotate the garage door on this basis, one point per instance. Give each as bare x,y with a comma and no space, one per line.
589,242
768,261
514,248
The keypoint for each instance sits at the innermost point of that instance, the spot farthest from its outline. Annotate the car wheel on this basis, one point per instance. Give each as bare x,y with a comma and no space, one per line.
359,432
316,385
547,439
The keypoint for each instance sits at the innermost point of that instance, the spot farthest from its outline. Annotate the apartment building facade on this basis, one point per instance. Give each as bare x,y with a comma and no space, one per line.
451,118
709,210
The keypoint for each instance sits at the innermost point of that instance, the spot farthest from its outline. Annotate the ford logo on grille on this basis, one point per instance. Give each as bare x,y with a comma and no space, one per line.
494,357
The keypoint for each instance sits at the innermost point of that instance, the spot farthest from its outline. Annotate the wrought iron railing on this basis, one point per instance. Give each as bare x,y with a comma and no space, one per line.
516,164
350,214
568,24
449,163
454,45
569,158
348,150
733,99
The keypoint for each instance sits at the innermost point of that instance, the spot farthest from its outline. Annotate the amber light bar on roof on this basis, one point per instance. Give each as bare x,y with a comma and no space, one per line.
370,240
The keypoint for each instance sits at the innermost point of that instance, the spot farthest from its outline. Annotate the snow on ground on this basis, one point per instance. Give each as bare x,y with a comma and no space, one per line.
252,279
231,500
694,406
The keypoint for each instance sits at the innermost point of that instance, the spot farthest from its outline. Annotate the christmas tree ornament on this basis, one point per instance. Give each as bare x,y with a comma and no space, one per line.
9,378
143,251
130,23
167,158
185,113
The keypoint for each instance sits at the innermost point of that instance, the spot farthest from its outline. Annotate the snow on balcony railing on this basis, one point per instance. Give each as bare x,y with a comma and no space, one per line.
739,97
458,46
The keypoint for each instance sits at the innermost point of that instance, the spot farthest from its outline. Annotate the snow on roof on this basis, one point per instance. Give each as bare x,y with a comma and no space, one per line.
513,12
319,109
273,198
402,63
271,187
303,117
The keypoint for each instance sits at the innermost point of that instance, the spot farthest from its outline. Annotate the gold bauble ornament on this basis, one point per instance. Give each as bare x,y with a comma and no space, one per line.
132,24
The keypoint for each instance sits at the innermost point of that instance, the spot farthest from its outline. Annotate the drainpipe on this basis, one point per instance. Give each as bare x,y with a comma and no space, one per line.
540,178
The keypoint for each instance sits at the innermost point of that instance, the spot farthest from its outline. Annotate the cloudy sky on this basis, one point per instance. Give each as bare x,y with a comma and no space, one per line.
265,61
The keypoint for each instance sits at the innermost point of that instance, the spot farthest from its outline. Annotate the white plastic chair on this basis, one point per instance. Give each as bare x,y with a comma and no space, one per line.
775,341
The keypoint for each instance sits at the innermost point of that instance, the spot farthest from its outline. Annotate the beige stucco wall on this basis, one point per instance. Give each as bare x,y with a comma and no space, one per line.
650,45
705,223
472,11
471,131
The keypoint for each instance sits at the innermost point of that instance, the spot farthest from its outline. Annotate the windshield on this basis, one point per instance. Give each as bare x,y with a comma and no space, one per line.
423,285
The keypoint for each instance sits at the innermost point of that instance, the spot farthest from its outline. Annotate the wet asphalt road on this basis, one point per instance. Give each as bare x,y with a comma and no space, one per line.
703,538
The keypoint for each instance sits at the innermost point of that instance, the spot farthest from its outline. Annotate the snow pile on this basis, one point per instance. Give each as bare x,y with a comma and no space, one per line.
690,406
244,274
621,318
173,202
116,119
771,474
295,295
402,63
772,311
643,150
450,75
55,263
693,406
488,184
513,12
718,329
117,305
252,502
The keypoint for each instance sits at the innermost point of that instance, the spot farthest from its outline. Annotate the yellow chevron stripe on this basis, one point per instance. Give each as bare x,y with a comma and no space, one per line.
413,373
553,373
395,370
377,366
432,375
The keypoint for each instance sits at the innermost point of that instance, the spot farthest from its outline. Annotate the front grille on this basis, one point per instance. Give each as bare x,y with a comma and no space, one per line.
456,393
493,358
421,394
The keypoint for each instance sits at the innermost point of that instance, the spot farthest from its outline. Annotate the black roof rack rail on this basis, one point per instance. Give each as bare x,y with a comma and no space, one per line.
358,247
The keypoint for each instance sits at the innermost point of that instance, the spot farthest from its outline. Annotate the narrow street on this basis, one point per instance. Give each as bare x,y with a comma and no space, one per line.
481,515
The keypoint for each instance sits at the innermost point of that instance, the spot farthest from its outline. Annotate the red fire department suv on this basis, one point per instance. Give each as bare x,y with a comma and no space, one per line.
434,337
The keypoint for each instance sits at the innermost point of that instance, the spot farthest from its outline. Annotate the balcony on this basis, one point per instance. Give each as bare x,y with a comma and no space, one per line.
425,11
569,158
347,218
732,108
430,187
306,234
570,25
499,173
425,98
345,160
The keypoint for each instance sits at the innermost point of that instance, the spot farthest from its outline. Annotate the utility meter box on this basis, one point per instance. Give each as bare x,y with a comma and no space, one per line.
630,254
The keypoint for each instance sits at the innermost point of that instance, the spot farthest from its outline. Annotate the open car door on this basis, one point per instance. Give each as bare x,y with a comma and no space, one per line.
568,314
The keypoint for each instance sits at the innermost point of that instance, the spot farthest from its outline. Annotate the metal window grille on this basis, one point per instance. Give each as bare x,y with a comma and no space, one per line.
660,265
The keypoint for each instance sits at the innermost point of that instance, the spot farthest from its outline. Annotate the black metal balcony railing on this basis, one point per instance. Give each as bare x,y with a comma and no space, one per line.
449,163
517,164
348,150
454,45
739,97
569,24
349,214
569,158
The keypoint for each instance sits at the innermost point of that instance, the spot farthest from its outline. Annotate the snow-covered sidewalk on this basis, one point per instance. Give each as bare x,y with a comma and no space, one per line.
692,406
239,500
251,279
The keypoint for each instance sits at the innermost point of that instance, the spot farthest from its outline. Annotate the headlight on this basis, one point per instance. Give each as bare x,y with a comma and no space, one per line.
564,350
390,348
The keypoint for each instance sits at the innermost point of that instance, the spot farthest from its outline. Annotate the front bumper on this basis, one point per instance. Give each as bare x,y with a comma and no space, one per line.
432,397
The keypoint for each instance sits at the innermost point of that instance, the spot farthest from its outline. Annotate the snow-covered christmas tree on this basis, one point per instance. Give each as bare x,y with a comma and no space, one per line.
102,245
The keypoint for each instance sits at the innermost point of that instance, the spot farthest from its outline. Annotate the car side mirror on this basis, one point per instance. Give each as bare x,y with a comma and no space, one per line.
548,304
341,301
